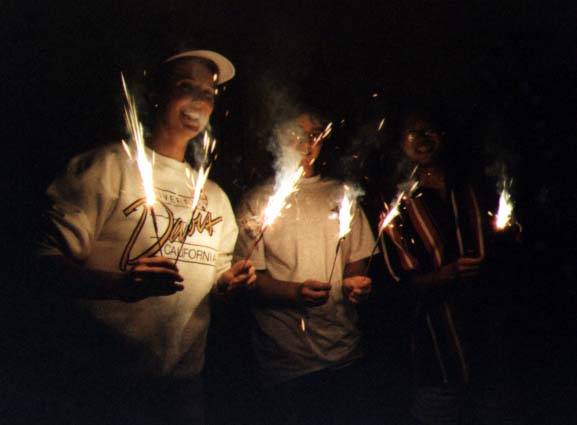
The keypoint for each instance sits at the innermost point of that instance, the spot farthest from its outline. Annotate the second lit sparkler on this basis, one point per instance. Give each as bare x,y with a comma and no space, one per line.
197,184
346,214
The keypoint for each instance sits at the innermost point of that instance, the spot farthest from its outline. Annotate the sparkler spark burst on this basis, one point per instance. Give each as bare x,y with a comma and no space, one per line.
393,210
205,164
504,214
136,131
278,200
346,212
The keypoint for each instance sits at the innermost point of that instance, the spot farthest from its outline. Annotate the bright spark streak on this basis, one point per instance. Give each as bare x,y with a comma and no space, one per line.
278,200
203,170
346,213
324,134
505,212
381,124
393,210
136,130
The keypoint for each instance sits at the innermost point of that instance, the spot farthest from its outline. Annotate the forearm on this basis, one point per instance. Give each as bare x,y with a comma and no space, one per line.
427,281
273,291
66,277
357,268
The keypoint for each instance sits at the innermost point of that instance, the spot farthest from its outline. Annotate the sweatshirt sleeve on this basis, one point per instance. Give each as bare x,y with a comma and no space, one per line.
80,202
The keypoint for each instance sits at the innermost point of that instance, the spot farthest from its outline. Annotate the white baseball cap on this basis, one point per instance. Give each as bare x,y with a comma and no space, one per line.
225,67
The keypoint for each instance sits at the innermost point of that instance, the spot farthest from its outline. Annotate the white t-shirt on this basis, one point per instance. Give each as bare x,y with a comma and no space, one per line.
301,244
99,219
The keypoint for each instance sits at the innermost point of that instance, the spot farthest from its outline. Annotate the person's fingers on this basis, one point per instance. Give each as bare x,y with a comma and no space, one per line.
316,285
160,272
314,295
364,282
157,261
251,280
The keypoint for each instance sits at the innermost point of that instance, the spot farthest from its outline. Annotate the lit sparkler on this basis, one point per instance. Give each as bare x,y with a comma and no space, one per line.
197,184
276,203
145,166
288,185
391,211
504,216
346,214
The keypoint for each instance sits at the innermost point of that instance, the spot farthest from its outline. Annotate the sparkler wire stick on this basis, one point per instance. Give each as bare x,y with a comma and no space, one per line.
254,244
336,256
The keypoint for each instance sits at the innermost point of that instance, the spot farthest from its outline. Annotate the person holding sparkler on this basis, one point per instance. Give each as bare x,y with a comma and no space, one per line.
436,246
306,339
145,288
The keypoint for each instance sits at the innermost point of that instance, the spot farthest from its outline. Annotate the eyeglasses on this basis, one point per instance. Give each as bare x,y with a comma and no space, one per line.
302,137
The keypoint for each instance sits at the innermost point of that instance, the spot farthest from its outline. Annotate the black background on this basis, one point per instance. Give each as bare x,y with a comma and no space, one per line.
504,72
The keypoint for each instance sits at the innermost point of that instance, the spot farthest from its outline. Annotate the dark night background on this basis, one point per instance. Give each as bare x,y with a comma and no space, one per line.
503,73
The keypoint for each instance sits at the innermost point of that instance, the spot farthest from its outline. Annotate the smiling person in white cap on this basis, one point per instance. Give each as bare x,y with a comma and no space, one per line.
99,251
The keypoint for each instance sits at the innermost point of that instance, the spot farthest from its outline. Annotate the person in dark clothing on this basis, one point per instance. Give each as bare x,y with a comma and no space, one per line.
440,248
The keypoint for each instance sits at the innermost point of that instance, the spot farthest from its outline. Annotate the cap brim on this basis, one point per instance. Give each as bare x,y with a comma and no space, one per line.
225,67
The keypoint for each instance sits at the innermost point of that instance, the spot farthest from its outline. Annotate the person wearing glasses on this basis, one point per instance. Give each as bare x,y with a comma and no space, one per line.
305,336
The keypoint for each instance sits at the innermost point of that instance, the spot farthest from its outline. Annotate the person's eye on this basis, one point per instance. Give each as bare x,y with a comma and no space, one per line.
208,95
185,87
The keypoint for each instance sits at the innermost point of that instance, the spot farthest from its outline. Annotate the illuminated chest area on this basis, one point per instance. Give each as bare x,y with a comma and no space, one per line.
169,227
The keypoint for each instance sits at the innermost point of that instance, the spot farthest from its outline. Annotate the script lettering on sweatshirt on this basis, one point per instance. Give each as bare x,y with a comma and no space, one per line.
172,239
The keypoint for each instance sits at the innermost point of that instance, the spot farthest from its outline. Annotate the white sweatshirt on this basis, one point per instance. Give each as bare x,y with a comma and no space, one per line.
99,219
301,244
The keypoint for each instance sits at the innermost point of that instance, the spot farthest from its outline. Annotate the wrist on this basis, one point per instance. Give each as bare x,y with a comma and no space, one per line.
299,294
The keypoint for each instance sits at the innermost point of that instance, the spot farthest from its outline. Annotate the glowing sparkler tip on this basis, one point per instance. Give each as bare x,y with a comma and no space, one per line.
346,212
505,212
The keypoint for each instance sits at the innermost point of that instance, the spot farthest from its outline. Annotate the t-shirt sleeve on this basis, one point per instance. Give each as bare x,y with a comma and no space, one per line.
80,202
247,217
229,236
360,242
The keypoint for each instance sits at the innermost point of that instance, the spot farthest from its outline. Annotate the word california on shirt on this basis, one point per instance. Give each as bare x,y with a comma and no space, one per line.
99,218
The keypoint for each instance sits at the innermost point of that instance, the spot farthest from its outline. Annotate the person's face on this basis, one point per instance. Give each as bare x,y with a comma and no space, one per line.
421,142
189,98
305,139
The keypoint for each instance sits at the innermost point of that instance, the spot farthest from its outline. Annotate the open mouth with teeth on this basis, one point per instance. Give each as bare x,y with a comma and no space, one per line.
191,119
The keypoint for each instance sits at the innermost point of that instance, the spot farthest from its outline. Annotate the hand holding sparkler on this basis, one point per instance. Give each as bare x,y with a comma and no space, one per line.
313,293
357,288
151,277
241,276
